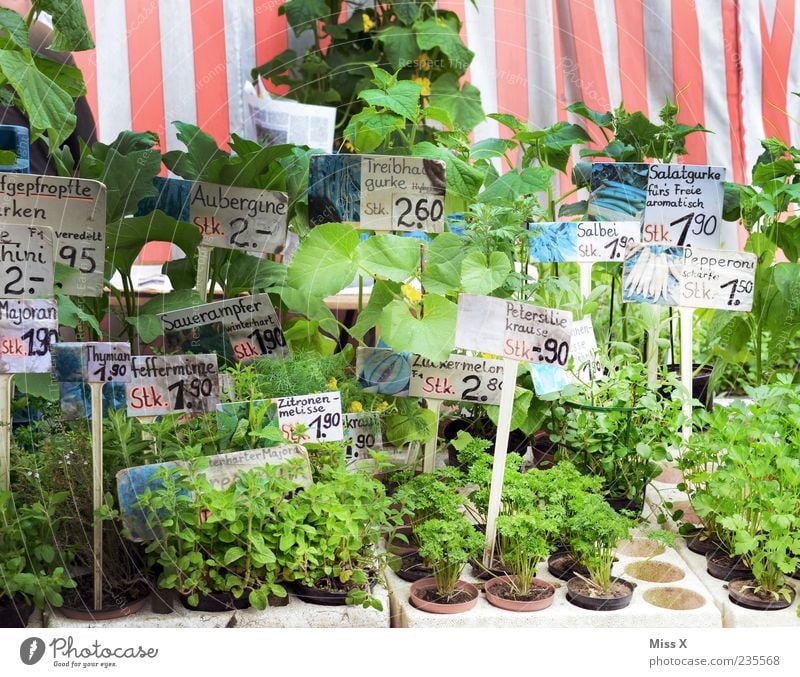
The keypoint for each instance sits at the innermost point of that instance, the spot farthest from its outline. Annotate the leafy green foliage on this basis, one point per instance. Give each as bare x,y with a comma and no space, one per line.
447,545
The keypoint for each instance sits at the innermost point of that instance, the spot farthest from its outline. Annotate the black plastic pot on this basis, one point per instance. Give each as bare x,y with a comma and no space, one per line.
598,603
634,505
700,384
14,613
217,601
321,596
412,568
702,544
741,598
564,567
724,568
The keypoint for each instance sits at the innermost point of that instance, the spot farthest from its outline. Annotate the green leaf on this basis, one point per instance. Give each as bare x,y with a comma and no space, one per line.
389,256
401,98
432,33
523,399
8,157
70,314
244,273
147,324
463,180
126,237
14,28
508,121
47,105
369,129
71,31
406,10
324,263
439,115
233,554
443,256
463,105
399,45
480,277
305,335
511,185
302,15
69,78
182,273
381,295
432,336
38,385
203,158
488,149
600,119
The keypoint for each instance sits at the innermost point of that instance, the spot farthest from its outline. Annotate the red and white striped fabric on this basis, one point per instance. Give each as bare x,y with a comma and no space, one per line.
733,63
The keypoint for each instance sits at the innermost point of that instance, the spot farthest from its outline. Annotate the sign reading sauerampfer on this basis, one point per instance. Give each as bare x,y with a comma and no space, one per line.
26,255
28,330
76,211
163,384
514,330
248,219
244,327
581,241
377,192
689,277
458,378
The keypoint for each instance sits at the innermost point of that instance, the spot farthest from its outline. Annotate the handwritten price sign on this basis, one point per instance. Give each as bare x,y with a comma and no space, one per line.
248,219
320,417
363,432
514,330
93,361
28,331
458,378
162,384
689,277
27,256
581,241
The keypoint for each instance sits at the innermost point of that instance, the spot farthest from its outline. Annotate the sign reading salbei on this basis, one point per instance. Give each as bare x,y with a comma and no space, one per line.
513,329
76,211
582,241
162,384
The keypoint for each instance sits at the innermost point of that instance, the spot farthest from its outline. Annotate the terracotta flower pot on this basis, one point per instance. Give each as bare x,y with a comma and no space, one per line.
740,592
495,588
424,598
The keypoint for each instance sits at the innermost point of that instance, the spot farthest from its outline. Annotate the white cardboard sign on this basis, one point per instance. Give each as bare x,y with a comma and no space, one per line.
92,361
515,330
321,413
248,219
548,379
26,261
163,384
28,330
363,432
458,378
684,205
689,276
76,211
581,241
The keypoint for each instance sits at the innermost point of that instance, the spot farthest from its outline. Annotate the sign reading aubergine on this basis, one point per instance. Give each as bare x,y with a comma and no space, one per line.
377,192
76,211
240,329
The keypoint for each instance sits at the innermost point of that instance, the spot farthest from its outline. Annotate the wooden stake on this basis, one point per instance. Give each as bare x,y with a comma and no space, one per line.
97,489
429,461
686,367
6,388
203,270
585,276
500,451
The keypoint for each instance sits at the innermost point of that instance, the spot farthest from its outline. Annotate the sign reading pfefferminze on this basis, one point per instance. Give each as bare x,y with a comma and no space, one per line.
689,277
684,205
249,323
320,414
581,241
458,378
248,219
514,330
26,261
28,330
76,211
92,361
163,384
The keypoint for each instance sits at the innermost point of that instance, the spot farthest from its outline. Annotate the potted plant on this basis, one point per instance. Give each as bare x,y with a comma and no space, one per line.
595,530
32,571
526,540
446,546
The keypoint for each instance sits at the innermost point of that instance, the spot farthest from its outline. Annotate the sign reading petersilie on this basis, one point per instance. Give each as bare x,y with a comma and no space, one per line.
244,328
684,205
458,378
28,331
161,384
249,219
26,261
76,211
689,277
514,330
377,192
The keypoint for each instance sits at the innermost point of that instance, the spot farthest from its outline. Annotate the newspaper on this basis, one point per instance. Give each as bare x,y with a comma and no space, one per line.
271,121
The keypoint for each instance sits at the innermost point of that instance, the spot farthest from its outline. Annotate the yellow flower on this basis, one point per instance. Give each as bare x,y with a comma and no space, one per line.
332,383
356,407
411,293
425,83
349,147
383,404
367,22
424,62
